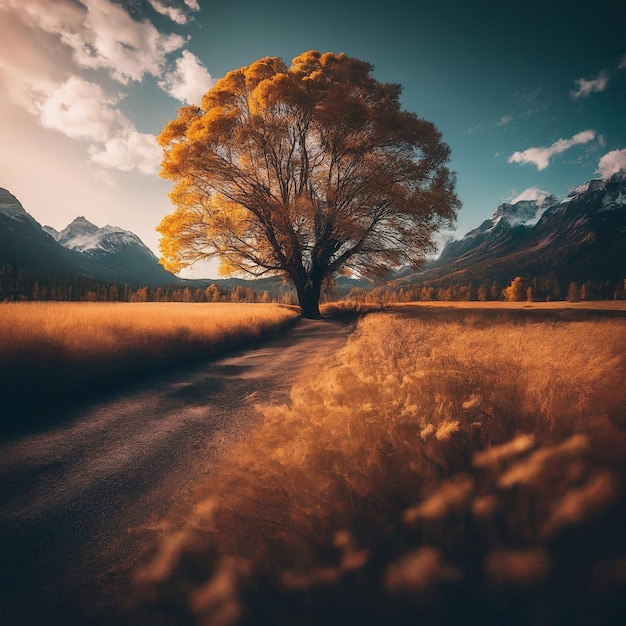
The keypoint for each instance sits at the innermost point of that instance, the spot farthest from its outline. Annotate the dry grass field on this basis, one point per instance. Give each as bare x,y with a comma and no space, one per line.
438,470
593,305
53,354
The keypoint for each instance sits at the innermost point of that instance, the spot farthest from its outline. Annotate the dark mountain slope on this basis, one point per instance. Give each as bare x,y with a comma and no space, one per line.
23,243
119,254
82,249
582,237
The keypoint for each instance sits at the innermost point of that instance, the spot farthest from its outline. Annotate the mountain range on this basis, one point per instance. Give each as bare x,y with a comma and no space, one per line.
116,252
579,238
536,236
81,249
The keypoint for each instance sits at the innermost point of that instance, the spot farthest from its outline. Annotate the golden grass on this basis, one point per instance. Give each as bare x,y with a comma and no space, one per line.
68,350
98,330
592,305
349,309
431,470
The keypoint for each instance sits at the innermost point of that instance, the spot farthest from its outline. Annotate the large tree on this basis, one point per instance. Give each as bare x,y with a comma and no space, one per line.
304,171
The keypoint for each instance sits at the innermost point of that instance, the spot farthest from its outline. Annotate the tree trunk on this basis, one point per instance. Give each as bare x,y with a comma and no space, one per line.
309,298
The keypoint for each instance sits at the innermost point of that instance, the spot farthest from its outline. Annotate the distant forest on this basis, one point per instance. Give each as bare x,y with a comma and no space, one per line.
519,290
17,284
21,285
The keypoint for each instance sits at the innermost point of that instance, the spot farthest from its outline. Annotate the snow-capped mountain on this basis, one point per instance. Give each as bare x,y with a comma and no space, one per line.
525,210
118,252
582,237
83,236
534,194
81,249
509,220
25,245
612,190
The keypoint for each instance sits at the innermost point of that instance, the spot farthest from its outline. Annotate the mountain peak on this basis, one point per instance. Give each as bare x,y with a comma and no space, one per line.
77,233
6,196
81,249
10,205
536,195
596,184
83,236
580,238
524,210
82,222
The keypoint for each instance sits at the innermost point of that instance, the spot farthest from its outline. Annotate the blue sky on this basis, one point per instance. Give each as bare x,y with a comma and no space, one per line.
527,94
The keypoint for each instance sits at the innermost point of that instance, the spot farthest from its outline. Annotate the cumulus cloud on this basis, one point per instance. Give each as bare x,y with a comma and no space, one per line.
102,35
39,13
612,162
79,109
586,87
82,110
189,81
110,39
48,44
130,151
176,15
541,156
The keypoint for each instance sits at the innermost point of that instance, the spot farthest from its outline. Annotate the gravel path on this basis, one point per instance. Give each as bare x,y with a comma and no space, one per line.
81,504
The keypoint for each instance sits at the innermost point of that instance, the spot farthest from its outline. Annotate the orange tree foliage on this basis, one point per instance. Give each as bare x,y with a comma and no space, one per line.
304,171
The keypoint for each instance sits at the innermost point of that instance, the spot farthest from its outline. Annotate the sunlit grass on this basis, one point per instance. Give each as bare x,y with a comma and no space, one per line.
594,305
446,471
56,352
93,331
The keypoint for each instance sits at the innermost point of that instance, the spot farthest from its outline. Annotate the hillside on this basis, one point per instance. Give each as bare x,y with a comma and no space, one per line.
82,250
579,238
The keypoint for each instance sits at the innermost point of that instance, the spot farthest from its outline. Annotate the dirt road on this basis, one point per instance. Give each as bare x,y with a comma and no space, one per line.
80,505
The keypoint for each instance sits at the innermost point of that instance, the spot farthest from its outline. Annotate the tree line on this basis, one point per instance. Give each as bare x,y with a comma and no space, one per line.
519,290
17,284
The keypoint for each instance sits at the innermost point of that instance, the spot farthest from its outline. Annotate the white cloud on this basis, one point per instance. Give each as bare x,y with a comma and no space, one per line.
67,124
541,156
110,39
102,35
622,63
39,13
80,110
189,81
504,120
612,162
46,42
193,5
586,87
176,15
130,151
26,62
